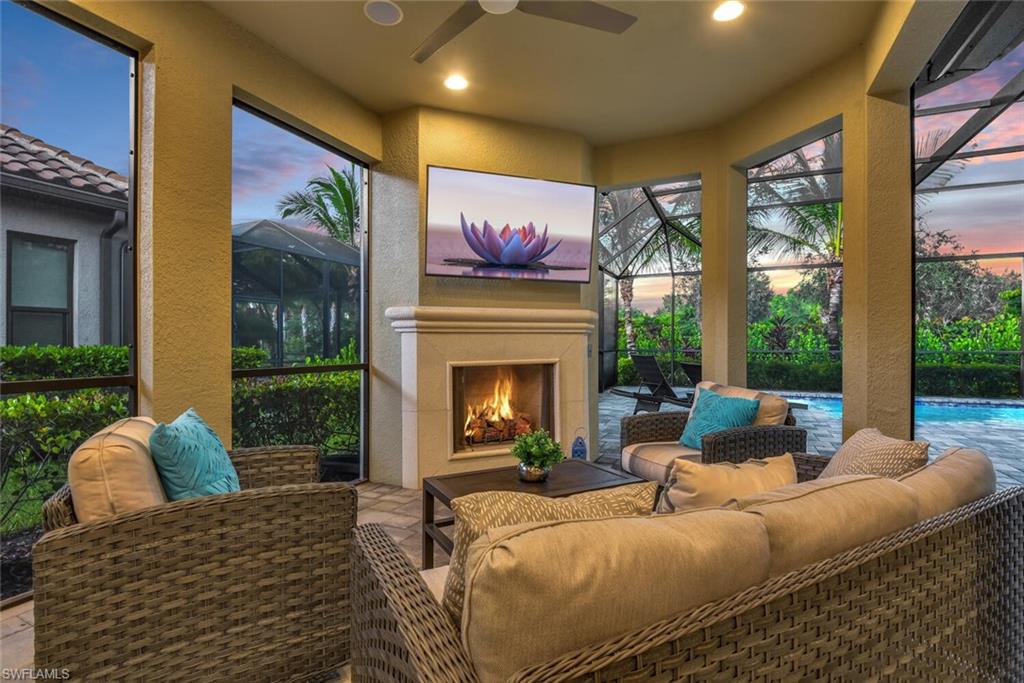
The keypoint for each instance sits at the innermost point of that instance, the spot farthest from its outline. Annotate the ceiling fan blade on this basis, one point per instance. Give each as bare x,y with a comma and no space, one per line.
458,22
582,12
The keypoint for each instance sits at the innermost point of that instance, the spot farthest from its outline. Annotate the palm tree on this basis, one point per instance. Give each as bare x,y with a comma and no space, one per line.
813,231
330,202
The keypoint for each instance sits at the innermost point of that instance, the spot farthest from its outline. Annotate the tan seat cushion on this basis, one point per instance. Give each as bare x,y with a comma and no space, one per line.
772,411
436,578
112,471
871,452
654,460
693,485
816,519
536,592
478,512
957,477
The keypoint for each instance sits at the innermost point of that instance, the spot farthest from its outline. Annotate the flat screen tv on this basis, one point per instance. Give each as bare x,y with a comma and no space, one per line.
507,227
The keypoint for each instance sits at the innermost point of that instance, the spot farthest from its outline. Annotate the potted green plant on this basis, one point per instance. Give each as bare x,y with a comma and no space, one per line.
537,453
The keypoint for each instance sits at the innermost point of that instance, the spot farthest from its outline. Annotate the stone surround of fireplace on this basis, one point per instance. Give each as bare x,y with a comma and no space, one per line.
437,340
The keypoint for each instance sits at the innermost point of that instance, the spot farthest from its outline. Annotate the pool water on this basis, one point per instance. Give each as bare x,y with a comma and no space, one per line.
929,411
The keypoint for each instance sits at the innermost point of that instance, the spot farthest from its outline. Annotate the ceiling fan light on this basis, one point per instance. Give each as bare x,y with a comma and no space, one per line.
728,10
456,82
383,12
498,6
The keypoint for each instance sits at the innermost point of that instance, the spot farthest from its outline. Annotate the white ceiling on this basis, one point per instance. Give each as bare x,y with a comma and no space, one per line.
675,69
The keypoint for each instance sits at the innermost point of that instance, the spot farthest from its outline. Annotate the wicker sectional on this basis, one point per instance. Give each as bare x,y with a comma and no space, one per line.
940,600
248,586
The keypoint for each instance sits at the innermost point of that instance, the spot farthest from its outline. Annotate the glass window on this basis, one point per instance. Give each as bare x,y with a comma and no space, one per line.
297,286
66,233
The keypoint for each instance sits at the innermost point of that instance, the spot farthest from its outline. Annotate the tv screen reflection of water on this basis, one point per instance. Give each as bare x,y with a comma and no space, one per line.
507,227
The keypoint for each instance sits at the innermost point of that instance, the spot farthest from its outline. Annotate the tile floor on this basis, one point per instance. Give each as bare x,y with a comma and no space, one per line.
396,509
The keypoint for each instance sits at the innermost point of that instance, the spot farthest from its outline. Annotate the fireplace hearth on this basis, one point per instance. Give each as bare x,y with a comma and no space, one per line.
493,403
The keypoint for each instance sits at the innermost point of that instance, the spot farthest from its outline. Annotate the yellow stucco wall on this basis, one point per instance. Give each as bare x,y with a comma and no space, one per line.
193,61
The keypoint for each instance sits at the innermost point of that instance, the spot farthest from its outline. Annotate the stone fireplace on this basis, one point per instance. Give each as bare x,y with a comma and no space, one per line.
474,378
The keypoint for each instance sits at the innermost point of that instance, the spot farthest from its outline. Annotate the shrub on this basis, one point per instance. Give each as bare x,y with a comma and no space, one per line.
626,371
320,409
248,357
783,374
51,362
989,380
39,434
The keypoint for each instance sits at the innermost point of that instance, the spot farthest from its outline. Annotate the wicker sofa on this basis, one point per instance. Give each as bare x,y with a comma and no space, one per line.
940,600
661,431
251,585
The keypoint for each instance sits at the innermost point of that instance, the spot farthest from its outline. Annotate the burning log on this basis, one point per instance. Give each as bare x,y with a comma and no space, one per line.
496,420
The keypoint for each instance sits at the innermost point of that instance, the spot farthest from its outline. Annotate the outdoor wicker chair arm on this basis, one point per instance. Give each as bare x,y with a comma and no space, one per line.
809,465
58,510
647,427
400,633
252,585
756,441
275,465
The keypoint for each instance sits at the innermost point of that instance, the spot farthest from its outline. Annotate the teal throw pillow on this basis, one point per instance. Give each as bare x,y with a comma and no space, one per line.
190,459
715,413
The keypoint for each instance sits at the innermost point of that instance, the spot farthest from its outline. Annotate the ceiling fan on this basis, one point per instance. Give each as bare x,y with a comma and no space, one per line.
581,12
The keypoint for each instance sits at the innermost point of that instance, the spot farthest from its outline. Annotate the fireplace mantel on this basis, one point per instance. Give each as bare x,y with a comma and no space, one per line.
437,338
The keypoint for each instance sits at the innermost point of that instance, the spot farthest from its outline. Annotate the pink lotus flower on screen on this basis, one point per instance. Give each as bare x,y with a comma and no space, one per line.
509,247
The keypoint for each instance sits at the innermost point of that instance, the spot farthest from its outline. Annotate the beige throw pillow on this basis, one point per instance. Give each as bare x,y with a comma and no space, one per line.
476,513
871,452
693,485
772,411
112,471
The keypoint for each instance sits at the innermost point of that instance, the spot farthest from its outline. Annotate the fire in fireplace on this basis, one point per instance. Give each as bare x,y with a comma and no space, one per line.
493,404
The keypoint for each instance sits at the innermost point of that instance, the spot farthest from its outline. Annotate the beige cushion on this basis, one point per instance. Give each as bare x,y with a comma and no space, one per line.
435,578
478,512
536,592
654,460
772,411
113,472
693,485
871,452
957,477
820,518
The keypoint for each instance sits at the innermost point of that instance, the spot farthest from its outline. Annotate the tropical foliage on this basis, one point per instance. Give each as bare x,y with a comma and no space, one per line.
330,202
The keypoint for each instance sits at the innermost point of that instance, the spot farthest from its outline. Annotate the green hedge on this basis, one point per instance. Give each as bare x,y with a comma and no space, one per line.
248,357
50,362
986,380
320,409
783,374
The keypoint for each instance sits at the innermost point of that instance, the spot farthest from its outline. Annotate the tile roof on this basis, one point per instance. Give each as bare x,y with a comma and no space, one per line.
29,157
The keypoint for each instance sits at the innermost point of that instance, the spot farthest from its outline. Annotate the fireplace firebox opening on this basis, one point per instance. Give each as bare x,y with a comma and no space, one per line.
493,404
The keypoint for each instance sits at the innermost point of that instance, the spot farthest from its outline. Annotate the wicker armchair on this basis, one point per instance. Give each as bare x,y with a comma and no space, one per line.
251,585
939,601
732,445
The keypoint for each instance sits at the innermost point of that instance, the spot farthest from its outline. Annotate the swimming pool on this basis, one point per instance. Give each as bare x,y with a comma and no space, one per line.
932,410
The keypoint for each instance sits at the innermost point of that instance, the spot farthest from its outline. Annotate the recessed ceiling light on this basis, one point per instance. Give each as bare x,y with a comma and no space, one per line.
383,12
728,10
456,82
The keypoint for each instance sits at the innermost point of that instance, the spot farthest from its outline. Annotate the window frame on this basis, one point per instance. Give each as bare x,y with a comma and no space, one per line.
130,380
67,313
363,366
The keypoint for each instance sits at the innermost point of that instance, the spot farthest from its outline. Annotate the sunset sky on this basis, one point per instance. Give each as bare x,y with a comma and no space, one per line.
74,93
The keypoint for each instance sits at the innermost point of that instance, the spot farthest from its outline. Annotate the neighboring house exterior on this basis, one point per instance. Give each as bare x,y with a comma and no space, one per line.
65,247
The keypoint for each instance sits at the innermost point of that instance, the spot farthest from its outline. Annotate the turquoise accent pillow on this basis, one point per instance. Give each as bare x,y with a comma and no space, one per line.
715,413
190,459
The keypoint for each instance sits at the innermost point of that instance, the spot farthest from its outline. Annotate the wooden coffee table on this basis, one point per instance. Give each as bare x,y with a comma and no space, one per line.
566,478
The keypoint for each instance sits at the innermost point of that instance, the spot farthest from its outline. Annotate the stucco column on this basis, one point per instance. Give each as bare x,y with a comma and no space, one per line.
877,315
184,240
724,277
